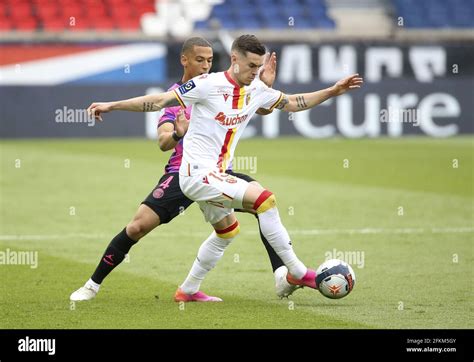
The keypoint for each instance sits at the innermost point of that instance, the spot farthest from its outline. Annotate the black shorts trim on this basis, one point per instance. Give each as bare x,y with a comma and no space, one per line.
162,213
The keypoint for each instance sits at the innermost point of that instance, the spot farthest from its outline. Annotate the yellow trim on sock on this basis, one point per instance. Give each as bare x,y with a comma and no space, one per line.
267,204
230,234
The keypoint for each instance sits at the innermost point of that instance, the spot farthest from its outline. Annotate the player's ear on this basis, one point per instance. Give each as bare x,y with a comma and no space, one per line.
184,60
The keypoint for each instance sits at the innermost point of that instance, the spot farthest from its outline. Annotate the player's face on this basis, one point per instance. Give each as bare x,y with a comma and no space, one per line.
246,67
197,61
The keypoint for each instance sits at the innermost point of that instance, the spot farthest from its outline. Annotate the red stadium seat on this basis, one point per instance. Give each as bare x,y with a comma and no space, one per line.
121,11
96,11
72,10
14,3
29,24
47,11
129,24
103,24
81,24
3,11
117,2
145,8
54,24
20,11
55,15
6,24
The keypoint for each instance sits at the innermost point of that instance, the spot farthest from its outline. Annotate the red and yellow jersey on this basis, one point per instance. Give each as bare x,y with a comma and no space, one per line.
221,111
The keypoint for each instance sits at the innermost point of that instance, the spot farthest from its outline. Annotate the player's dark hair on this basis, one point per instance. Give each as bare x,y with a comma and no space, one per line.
248,43
194,41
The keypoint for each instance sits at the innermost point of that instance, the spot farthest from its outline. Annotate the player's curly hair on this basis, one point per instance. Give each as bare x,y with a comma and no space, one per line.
248,43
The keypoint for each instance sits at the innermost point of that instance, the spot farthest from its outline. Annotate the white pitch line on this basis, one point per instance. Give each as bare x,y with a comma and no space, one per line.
384,231
49,237
363,231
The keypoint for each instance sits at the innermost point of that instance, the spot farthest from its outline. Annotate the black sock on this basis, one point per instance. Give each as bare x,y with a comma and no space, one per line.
113,256
274,258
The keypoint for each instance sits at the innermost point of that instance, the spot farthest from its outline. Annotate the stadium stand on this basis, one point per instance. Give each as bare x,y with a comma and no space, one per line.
269,14
182,17
73,15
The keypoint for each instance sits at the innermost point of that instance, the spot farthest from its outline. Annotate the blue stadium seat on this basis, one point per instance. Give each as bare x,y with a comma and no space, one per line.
249,12
435,13
326,23
252,23
314,2
276,23
276,14
303,23
269,13
229,24
221,12
294,12
201,25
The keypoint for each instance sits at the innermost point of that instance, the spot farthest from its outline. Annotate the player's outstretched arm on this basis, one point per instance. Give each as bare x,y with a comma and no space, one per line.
300,102
148,103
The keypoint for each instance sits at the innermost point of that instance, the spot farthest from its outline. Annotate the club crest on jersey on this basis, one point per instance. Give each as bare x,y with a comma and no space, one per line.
230,121
186,87
158,193
247,98
225,97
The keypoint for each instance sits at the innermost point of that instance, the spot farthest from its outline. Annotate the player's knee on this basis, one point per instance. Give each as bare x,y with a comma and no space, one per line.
136,230
229,232
264,202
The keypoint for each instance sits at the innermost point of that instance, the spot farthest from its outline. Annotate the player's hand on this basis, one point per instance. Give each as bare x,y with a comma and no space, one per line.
353,81
268,71
96,109
181,123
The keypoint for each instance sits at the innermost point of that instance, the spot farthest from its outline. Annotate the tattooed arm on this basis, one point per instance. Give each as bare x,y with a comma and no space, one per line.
300,102
148,103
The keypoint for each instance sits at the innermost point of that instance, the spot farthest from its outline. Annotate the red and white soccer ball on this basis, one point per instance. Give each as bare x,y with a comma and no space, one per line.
335,278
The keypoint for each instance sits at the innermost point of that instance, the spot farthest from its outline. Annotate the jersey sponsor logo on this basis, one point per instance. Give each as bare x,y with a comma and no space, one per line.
186,87
230,121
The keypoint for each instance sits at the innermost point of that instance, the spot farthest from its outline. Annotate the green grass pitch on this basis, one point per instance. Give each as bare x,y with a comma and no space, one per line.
403,205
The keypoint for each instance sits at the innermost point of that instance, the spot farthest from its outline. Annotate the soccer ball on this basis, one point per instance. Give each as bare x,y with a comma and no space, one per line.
335,278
